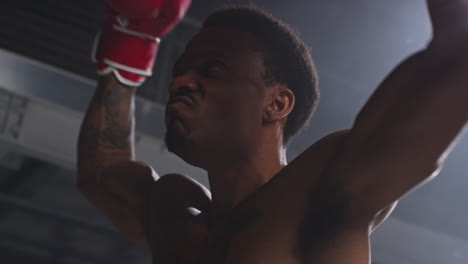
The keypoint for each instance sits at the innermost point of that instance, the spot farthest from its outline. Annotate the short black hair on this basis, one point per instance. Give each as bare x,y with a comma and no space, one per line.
287,59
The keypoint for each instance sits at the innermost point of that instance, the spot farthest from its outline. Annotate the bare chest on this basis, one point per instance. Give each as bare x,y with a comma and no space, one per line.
271,228
282,223
258,233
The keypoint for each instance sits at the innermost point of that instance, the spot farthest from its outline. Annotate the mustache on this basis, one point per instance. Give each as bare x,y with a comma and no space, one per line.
183,96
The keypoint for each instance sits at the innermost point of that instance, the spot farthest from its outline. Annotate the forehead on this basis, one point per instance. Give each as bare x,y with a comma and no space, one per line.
228,42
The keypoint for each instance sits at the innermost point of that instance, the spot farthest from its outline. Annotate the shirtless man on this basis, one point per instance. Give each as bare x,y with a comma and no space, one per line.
243,87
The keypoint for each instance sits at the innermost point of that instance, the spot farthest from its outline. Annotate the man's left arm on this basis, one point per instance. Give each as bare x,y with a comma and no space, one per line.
403,134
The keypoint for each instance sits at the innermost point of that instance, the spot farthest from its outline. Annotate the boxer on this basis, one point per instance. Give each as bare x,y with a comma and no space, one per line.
244,86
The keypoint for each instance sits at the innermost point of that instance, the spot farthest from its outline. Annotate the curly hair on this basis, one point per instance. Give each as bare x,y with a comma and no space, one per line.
287,59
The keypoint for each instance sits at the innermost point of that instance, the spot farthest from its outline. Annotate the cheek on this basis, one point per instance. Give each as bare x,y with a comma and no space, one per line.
223,117
232,114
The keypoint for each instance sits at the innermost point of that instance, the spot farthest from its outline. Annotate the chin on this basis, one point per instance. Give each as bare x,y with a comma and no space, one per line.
182,147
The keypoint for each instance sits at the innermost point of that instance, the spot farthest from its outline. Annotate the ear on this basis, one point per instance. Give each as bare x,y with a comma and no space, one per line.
281,103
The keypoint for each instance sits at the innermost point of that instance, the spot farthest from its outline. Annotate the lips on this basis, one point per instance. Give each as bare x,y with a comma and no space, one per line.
184,99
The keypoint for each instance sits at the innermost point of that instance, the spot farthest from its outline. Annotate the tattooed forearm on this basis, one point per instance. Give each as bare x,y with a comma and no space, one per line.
110,117
108,127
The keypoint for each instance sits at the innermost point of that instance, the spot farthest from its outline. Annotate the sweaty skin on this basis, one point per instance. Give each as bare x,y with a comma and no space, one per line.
322,207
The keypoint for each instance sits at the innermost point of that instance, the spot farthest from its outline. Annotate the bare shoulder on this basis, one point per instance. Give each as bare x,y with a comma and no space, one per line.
303,173
331,141
184,182
121,192
323,149
328,147
176,193
138,201
129,180
171,220
128,172
334,137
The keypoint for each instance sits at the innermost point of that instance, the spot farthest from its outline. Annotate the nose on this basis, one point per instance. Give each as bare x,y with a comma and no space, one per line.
186,82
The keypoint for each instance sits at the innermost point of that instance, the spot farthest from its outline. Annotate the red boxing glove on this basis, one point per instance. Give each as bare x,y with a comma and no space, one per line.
132,34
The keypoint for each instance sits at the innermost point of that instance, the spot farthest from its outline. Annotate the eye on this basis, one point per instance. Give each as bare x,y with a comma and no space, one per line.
212,68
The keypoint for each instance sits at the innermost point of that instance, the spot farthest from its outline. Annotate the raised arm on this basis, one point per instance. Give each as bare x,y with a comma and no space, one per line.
107,132
403,134
107,173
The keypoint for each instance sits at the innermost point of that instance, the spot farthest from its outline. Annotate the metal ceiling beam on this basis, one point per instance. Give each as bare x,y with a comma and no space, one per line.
11,202
17,178
41,251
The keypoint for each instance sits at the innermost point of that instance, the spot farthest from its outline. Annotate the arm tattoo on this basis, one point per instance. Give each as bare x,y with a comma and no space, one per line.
118,126
108,124
113,130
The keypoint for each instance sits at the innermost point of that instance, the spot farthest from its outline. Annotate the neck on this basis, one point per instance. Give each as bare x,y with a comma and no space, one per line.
233,183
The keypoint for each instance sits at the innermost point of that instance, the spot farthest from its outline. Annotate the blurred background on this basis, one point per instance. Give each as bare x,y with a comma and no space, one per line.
47,80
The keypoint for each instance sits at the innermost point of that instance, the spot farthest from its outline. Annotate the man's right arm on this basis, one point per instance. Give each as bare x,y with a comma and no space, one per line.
107,173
